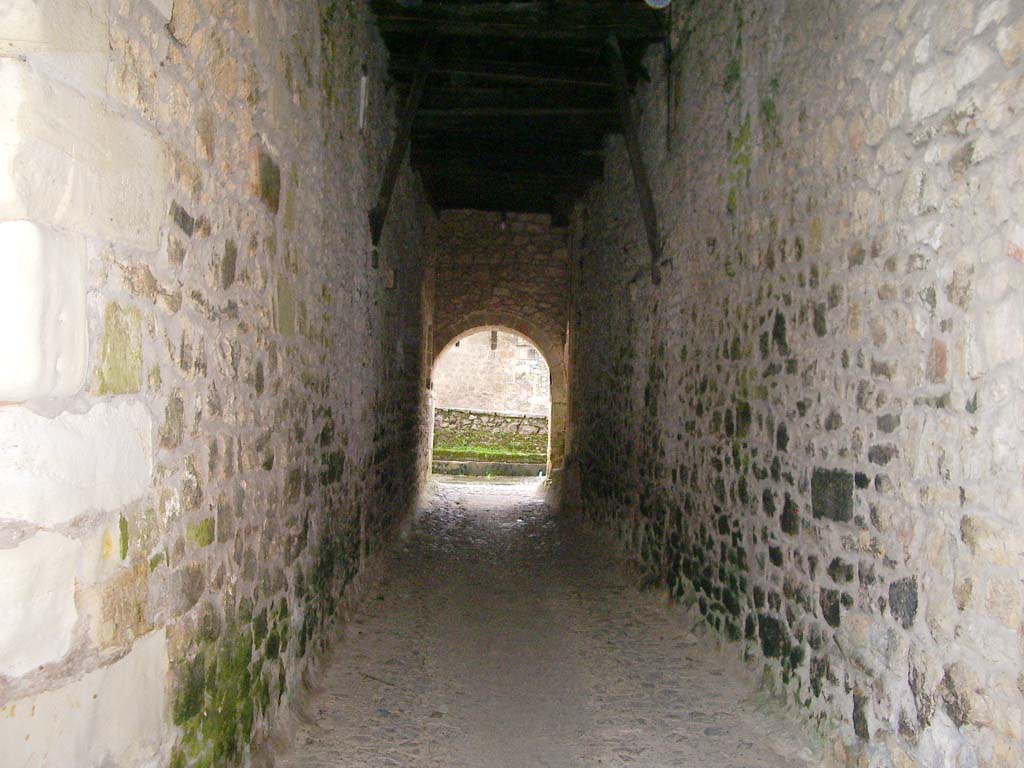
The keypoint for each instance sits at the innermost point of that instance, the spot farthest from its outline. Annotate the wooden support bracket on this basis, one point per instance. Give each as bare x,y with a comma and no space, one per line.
400,145
636,158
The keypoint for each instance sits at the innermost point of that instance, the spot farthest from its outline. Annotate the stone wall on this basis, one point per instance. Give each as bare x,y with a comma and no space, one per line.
218,397
512,376
506,270
517,432
458,419
810,429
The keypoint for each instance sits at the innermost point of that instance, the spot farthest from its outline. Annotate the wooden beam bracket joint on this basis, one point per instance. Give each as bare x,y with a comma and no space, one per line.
636,158
379,212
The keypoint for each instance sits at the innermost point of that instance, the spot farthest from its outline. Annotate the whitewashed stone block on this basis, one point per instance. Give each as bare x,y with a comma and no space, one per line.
932,90
115,715
68,37
68,162
43,327
1002,331
52,470
163,7
37,602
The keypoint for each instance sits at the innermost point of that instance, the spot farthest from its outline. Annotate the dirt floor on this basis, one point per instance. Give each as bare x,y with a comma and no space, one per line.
505,636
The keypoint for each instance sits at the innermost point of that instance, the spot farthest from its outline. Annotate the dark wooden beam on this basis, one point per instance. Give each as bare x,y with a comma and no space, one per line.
512,72
379,212
476,112
591,21
444,96
472,165
636,158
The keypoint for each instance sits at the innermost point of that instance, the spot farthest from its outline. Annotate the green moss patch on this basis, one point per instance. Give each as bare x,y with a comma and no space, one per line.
120,367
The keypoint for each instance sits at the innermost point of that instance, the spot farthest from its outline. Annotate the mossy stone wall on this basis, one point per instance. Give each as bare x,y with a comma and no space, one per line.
803,430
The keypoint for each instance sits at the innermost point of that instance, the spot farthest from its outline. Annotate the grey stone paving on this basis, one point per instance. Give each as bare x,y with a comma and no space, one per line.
504,636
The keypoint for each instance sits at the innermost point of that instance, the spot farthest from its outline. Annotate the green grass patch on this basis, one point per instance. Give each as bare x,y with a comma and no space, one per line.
487,453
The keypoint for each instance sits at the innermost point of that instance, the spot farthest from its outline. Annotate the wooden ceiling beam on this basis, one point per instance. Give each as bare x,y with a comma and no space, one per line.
590,21
515,112
512,72
471,164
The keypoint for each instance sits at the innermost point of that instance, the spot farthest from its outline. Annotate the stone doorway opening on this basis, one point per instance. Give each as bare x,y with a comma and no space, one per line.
491,390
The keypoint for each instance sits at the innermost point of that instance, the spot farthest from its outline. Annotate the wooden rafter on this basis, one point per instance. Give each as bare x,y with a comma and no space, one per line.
636,157
400,144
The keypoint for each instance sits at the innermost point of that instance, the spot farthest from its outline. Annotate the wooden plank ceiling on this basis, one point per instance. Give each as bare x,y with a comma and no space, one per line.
519,95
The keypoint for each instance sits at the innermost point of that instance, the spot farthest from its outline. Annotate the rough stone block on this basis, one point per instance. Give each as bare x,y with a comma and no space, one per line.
68,162
37,602
115,715
832,494
54,469
120,366
1001,333
903,600
163,7
932,91
43,329
68,37
286,309
1010,42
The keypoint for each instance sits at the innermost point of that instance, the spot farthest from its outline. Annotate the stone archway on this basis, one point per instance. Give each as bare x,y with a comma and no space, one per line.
551,349
508,270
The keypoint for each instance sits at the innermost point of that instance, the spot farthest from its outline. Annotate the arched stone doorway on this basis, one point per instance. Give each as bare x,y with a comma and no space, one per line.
550,349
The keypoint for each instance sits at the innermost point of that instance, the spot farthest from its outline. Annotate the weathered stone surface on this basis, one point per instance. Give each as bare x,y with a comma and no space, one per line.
65,36
247,391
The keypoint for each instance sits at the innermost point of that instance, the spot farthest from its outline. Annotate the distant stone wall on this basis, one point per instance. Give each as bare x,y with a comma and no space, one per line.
811,429
460,433
449,420
208,396
509,376
509,271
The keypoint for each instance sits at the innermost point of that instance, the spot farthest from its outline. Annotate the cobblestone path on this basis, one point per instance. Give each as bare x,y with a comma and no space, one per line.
503,636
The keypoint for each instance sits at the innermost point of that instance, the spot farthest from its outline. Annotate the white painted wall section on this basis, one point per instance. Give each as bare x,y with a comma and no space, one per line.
43,326
113,716
68,162
37,602
54,469
69,38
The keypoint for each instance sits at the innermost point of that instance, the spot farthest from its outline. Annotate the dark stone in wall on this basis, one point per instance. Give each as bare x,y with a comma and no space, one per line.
269,182
860,715
779,333
881,454
774,639
829,599
903,600
227,264
954,700
888,422
832,494
820,324
840,570
790,519
186,223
